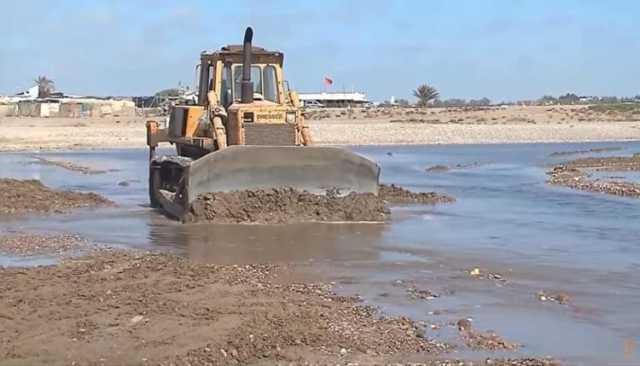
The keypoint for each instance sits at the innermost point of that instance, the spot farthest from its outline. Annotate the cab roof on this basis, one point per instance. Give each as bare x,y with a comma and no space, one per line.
233,54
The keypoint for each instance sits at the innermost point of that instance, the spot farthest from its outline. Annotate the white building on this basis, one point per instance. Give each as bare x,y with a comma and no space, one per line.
333,100
31,93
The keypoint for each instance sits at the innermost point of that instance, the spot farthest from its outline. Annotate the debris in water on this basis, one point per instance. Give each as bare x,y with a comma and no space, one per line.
438,169
559,297
486,275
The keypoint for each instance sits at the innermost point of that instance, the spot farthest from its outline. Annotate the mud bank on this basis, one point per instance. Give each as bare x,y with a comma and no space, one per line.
140,308
31,196
287,205
578,174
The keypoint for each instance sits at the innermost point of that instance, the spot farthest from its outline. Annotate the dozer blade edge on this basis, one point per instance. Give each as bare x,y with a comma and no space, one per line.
313,169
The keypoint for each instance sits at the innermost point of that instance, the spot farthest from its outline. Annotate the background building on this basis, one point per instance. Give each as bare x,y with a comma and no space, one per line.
333,100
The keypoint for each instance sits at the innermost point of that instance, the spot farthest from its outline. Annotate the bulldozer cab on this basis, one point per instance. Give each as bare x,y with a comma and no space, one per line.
222,72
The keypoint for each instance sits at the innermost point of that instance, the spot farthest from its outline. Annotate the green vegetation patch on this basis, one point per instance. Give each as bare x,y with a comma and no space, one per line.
616,107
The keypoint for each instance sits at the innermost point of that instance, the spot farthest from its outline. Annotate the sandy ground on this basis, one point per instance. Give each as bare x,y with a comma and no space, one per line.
26,133
376,126
123,308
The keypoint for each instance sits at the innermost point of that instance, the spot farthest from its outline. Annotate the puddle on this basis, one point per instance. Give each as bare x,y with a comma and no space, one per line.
506,218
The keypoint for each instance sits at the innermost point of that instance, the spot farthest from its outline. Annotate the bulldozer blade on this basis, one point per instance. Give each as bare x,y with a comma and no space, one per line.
312,169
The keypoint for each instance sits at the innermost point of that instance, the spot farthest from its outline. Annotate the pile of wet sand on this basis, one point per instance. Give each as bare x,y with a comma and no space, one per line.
287,205
116,307
31,196
576,174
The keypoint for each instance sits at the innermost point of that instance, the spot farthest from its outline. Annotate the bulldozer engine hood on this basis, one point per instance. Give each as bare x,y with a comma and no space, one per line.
262,112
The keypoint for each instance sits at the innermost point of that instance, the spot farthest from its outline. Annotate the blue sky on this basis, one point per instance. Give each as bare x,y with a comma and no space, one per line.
501,49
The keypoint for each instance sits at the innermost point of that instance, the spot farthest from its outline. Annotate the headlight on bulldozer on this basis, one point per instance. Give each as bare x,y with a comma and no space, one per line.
290,117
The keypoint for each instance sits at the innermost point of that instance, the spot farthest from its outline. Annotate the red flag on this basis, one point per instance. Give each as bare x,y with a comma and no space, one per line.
328,81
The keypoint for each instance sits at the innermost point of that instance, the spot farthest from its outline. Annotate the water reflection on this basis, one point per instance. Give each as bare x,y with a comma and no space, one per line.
241,244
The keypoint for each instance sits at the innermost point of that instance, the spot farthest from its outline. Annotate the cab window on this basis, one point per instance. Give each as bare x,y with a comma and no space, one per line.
227,96
270,84
256,78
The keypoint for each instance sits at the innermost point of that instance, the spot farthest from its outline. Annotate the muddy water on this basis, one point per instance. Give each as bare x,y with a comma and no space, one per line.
506,220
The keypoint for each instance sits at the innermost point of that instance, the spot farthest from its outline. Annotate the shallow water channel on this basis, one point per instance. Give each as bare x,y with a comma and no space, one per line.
506,220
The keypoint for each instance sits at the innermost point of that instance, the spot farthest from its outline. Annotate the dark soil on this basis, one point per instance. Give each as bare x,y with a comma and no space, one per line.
395,194
575,174
286,205
31,196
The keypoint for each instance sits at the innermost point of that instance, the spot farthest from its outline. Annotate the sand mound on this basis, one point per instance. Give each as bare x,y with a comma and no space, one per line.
31,196
286,205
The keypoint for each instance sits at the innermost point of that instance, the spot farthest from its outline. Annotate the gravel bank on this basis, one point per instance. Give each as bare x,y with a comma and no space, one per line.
578,174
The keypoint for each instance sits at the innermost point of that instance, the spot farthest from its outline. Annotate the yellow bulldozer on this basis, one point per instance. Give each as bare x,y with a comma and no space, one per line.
246,131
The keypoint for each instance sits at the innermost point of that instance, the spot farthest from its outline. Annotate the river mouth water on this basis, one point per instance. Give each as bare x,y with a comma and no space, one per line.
506,220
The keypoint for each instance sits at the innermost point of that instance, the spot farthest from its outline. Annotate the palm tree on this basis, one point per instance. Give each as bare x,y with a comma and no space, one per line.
45,86
425,94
